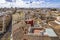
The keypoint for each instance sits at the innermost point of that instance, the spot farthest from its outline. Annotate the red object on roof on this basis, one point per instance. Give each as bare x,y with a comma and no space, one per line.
29,22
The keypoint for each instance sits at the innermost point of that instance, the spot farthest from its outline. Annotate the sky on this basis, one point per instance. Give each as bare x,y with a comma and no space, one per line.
30,3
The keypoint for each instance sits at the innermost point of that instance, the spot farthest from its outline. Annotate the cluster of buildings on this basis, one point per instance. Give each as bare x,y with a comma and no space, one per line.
36,24
30,23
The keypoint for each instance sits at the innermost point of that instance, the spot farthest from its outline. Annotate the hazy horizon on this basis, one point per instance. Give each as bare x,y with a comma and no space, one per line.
30,3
